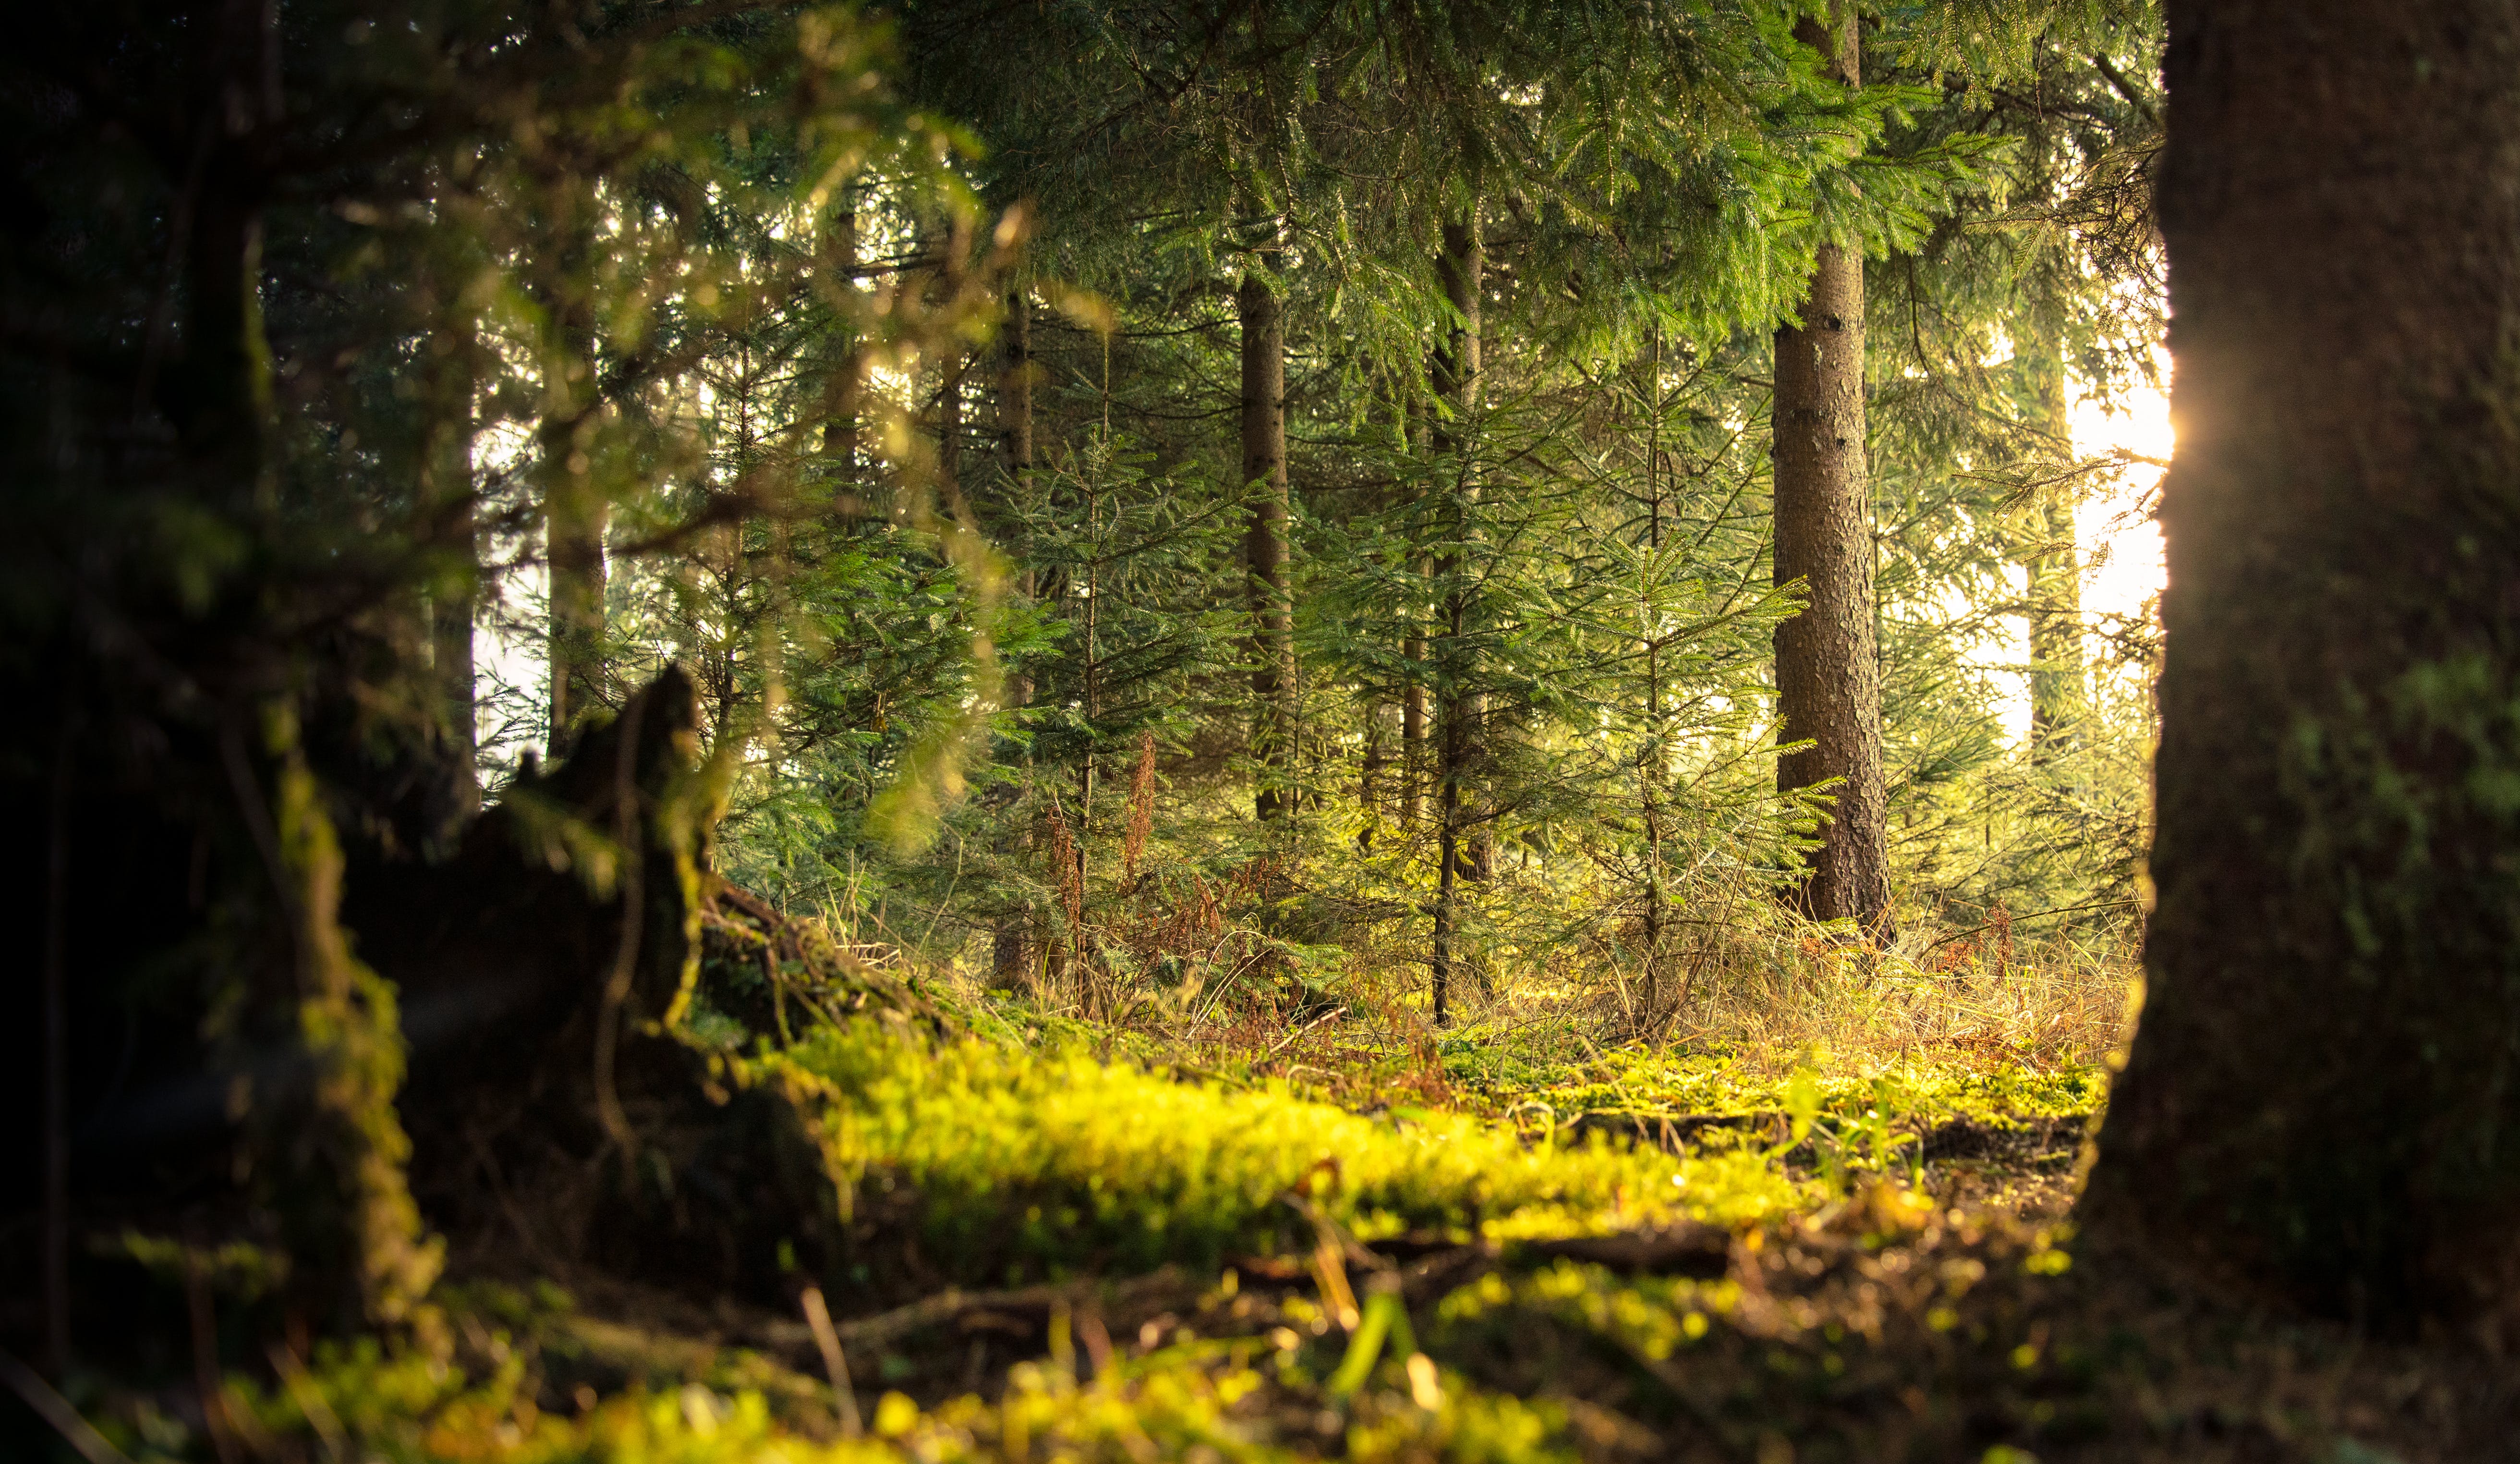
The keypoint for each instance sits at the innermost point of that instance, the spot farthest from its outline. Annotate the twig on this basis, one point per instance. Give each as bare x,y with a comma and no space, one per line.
206,1359
818,1316
1299,1031
310,1402
55,1410
880,1330
2124,87
2098,904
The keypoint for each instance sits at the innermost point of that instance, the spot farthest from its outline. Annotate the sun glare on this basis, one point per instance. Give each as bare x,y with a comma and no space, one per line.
2122,559
2120,544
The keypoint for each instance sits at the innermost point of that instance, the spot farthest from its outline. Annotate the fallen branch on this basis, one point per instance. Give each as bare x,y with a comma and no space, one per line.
954,1305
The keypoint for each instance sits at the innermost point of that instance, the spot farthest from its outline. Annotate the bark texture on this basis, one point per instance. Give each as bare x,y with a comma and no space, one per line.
2321,1100
1829,675
1263,322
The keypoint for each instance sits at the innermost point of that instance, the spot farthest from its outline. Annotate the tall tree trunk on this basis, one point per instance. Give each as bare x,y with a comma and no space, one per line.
2321,1099
949,431
333,1160
1015,390
1011,958
1369,773
574,516
1017,375
844,380
575,508
2057,699
1413,651
1653,755
1828,678
1455,376
54,1246
448,466
1263,320
1413,739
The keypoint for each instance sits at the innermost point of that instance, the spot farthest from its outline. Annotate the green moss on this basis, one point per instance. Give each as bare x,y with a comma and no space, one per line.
1010,1161
1651,1084
1013,1162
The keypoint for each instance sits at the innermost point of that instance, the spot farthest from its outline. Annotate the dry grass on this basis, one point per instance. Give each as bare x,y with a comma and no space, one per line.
1774,993
1770,994
2057,1004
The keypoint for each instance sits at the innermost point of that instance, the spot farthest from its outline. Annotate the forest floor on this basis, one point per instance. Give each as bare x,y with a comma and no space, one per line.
1076,1241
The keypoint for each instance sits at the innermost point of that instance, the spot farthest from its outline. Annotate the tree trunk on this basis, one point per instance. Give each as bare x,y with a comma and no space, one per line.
575,516
1015,390
1011,956
1263,323
2321,1100
1459,710
1653,755
1413,651
1369,773
842,385
447,463
575,508
949,431
2057,699
53,1246
1413,739
1828,678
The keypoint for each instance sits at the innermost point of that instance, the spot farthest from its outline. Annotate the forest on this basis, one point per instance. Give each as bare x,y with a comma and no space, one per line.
768,732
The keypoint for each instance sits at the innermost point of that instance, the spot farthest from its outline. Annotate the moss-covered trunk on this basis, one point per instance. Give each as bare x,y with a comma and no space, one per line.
2321,1097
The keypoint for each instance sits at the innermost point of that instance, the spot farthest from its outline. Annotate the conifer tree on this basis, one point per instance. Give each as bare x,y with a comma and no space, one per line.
1135,134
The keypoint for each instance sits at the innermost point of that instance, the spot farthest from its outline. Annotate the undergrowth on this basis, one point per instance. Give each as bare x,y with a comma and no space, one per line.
1532,1245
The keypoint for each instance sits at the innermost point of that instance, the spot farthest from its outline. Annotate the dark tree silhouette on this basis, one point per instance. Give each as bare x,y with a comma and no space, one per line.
2320,1099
